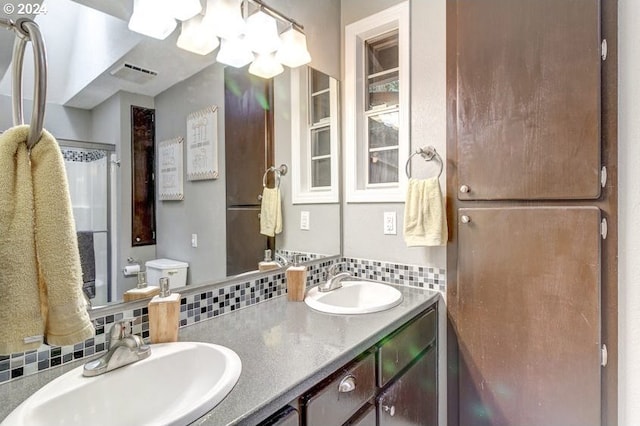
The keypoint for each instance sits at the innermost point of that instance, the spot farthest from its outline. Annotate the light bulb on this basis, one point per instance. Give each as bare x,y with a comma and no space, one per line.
185,9
152,19
266,66
235,52
225,17
262,33
293,51
197,37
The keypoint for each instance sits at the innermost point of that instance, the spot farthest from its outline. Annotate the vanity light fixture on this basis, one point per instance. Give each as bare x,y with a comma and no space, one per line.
197,37
235,52
241,34
262,33
184,9
293,51
152,18
266,66
225,17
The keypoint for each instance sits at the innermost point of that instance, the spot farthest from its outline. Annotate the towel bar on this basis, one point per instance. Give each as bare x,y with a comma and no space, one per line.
27,30
278,171
428,153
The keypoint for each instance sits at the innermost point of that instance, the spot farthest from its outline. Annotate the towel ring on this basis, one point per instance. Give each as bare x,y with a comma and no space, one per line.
428,153
278,171
27,30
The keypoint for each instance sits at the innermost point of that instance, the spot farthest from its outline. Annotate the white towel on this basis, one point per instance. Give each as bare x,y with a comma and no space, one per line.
271,212
40,274
425,221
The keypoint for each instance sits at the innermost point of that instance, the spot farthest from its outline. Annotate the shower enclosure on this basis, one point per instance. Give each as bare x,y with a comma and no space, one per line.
88,167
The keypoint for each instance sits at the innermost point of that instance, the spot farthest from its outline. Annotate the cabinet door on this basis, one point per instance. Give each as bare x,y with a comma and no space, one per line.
527,316
413,398
528,103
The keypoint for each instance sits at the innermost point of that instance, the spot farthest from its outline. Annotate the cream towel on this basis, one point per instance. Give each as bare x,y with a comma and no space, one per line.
40,274
425,222
271,212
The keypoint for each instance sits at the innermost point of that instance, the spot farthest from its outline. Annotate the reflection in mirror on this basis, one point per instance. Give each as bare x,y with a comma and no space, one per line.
91,100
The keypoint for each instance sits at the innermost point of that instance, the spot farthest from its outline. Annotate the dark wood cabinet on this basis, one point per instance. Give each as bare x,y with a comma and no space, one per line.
248,121
335,402
357,394
528,99
412,400
531,277
288,416
528,316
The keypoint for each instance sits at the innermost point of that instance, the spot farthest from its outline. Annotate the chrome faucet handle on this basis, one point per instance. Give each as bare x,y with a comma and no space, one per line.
120,330
333,270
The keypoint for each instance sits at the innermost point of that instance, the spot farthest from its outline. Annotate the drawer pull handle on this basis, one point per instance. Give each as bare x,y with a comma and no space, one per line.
348,384
391,410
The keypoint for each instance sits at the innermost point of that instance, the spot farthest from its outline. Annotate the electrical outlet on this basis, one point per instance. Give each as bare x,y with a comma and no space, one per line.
194,240
390,223
304,220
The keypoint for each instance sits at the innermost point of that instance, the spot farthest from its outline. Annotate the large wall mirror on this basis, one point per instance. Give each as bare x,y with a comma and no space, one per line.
98,70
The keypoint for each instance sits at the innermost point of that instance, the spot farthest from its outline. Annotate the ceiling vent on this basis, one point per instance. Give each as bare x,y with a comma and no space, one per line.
133,73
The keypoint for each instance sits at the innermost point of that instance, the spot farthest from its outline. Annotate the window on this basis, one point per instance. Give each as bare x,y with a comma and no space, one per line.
319,130
314,121
377,105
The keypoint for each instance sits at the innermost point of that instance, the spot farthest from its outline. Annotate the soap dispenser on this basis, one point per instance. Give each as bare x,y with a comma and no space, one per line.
267,264
296,280
142,291
164,314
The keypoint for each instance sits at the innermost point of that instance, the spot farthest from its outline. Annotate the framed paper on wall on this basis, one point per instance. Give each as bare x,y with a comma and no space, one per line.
170,169
202,144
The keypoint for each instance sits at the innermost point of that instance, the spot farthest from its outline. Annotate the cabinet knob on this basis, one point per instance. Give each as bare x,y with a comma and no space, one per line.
465,189
391,410
259,197
348,384
465,219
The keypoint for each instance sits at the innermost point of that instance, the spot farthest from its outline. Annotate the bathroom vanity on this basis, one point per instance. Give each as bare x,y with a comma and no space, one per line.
300,366
296,361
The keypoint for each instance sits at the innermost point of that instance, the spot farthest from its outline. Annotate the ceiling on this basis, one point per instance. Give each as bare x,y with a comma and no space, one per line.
86,40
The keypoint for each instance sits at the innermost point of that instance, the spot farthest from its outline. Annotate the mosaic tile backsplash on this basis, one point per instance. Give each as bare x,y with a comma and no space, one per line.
212,302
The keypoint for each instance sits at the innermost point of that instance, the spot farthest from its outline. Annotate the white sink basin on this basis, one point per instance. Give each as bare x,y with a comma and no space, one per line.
176,385
354,297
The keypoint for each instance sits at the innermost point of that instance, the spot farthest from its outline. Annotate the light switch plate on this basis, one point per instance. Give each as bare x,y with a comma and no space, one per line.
304,220
390,223
194,240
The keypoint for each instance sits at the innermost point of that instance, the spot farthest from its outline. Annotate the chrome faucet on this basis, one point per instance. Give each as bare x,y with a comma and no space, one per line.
124,348
281,260
334,281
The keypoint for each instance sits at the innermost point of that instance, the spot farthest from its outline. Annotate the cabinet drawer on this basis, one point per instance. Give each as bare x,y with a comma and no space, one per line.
333,403
366,418
288,416
412,400
400,348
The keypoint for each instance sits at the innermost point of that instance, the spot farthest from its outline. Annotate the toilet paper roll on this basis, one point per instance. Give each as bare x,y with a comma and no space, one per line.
131,270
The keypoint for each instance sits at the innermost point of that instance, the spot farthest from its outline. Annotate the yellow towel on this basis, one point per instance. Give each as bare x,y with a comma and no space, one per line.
425,221
271,212
40,275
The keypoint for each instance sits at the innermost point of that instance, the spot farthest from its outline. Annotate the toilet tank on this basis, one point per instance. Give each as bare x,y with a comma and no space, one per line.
175,270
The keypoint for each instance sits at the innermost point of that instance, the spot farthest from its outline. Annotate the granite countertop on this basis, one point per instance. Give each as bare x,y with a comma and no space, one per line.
285,349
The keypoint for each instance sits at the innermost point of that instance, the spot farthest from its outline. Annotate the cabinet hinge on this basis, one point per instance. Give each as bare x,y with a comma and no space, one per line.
603,176
603,49
603,229
605,355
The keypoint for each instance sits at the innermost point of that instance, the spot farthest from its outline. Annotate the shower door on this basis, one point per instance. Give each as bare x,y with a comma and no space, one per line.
88,167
